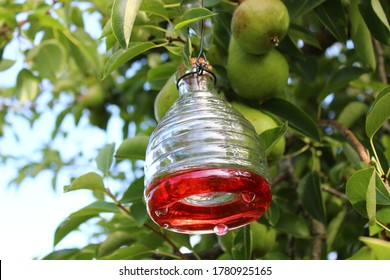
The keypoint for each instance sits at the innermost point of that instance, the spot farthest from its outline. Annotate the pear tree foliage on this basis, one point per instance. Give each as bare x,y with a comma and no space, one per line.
330,188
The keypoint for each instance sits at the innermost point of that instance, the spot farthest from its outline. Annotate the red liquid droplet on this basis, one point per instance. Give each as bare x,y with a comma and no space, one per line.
199,200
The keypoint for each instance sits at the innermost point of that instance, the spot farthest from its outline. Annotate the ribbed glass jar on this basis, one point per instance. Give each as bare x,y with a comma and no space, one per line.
205,170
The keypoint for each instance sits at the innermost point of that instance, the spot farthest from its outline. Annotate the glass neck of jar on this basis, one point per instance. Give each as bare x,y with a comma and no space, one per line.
195,82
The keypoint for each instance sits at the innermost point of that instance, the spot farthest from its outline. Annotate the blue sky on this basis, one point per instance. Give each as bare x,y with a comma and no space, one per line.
31,213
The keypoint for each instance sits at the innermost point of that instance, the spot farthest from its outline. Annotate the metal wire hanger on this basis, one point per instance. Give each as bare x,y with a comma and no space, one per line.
201,60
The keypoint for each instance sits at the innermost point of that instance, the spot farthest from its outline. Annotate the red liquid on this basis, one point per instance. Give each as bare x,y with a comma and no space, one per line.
248,198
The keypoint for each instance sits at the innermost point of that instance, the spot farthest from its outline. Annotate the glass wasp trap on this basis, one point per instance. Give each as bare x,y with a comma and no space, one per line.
205,169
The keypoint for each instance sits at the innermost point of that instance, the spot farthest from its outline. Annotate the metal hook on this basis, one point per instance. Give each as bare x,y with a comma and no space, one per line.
201,59
201,65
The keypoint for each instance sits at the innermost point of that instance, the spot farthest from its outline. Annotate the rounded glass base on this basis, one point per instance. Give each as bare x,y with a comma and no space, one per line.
209,200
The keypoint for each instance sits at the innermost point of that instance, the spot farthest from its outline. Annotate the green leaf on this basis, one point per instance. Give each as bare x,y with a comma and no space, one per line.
133,148
193,15
206,242
176,50
89,181
383,215
294,225
334,228
6,64
77,16
68,226
309,192
368,84
64,254
375,18
382,193
133,252
27,86
352,155
61,116
378,113
375,228
371,201
273,214
158,76
46,20
151,240
113,242
87,253
179,239
301,7
242,244
340,79
359,187
120,57
271,136
123,15
364,253
332,15
378,9
8,16
381,248
134,192
221,30
139,213
83,49
155,7
95,209
107,29
49,59
351,113
361,37
295,117
297,32
186,53
105,157
289,46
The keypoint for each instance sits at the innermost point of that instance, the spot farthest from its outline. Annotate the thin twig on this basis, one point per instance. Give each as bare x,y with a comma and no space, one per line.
335,193
166,238
280,178
381,61
127,211
319,237
117,203
349,136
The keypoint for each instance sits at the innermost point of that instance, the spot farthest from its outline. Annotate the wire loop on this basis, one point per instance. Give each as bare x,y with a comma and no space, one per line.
196,73
201,60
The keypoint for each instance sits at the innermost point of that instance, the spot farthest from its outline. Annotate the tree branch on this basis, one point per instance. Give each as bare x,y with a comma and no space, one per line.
335,192
349,136
166,238
381,61
127,211
319,236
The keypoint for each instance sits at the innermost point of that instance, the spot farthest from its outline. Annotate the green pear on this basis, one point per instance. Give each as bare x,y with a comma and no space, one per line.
259,25
256,76
217,55
165,98
262,122
263,239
